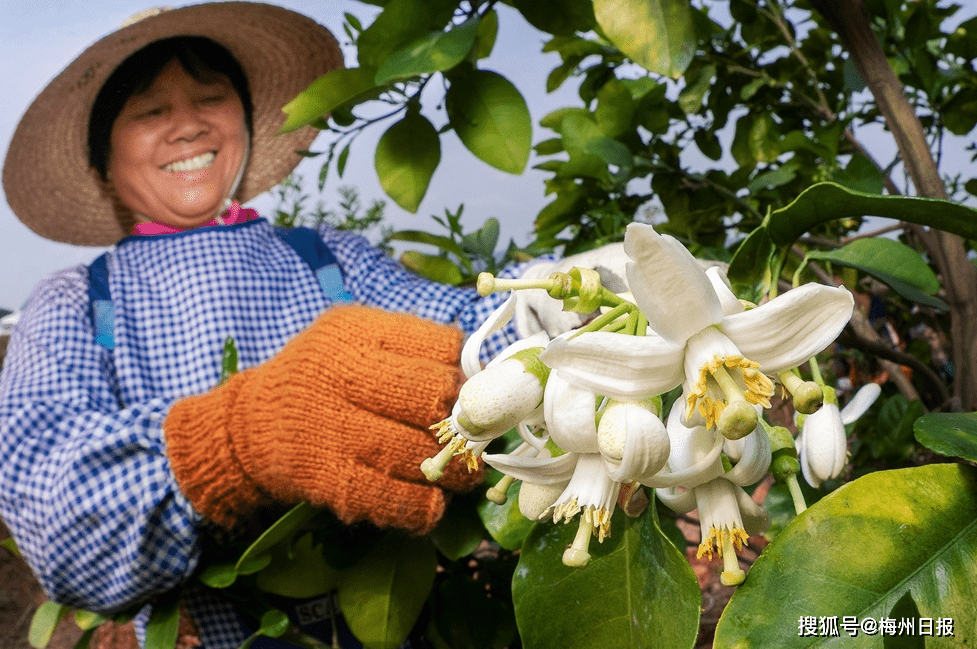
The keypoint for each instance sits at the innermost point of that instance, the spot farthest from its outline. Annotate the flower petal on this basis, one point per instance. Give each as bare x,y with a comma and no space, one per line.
616,365
755,459
538,470
724,291
860,403
681,502
646,444
669,284
792,327
569,412
824,446
470,364
756,519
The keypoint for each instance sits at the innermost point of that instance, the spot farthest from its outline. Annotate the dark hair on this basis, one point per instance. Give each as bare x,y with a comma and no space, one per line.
200,57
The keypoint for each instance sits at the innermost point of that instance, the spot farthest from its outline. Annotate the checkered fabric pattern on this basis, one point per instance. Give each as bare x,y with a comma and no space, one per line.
87,488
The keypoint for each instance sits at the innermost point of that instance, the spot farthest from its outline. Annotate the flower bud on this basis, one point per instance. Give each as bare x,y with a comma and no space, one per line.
499,397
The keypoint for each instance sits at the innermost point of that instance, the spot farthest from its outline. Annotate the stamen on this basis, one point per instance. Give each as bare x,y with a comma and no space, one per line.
732,574
488,283
578,554
497,493
433,467
807,395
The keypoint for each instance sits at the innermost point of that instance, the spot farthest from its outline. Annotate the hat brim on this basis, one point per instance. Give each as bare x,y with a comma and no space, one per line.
46,176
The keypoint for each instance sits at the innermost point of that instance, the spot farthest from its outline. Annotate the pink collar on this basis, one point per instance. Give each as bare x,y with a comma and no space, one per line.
234,214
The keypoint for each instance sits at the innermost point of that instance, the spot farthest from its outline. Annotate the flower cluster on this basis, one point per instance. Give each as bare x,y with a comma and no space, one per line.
594,395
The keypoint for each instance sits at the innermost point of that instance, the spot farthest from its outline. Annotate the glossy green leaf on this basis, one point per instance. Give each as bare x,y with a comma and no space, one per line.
891,262
298,571
163,626
438,269
750,271
952,434
656,34
460,532
219,575
828,201
488,31
558,17
434,52
637,592
856,553
401,22
45,621
491,118
406,157
505,523
290,523
615,109
905,609
329,91
382,595
274,624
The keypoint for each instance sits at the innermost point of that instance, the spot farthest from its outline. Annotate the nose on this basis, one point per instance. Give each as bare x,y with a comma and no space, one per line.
187,122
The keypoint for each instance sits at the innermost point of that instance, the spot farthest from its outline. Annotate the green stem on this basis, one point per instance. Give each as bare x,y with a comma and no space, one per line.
816,370
795,492
598,323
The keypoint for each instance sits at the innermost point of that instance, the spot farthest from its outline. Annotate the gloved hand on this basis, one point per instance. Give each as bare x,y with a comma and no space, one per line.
536,311
339,418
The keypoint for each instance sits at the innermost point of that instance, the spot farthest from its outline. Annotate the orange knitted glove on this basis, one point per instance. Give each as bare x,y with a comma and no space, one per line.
339,418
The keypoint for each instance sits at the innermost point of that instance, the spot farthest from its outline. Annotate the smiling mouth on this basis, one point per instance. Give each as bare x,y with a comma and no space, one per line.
196,163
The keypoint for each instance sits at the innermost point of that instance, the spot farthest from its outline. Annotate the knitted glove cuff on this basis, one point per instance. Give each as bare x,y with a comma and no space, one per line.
203,459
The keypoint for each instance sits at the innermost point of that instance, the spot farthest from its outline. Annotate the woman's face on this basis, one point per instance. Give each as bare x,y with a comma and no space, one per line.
176,148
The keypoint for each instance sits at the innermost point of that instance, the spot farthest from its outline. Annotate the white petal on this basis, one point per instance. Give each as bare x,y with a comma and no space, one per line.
755,460
824,444
497,399
535,499
668,284
756,519
860,403
590,486
724,291
569,412
538,470
678,501
791,328
646,443
616,365
694,457
470,364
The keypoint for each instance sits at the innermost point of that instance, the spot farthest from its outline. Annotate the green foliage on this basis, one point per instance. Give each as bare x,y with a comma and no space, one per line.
638,591
949,434
857,552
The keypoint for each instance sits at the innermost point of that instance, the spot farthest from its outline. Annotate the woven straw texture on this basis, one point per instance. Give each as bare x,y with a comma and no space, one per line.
46,176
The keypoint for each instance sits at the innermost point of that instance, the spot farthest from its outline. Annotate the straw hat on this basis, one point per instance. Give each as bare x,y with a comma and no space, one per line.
46,176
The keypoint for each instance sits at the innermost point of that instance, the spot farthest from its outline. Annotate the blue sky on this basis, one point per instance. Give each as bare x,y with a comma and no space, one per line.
39,38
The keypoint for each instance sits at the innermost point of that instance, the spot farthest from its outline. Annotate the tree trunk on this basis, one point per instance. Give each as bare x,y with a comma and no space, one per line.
848,18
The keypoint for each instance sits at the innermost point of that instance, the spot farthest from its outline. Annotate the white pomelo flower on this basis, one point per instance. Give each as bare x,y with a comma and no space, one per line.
723,359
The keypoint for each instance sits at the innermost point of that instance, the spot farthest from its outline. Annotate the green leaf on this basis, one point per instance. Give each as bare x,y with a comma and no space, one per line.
163,627
228,360
482,242
326,93
291,522
419,236
891,262
274,624
460,532
299,571
401,22
505,523
615,109
382,595
434,268
828,201
638,591
491,119
857,552
751,269
45,621
656,34
11,546
488,30
406,157
950,434
219,575
558,17
434,52
86,620
905,608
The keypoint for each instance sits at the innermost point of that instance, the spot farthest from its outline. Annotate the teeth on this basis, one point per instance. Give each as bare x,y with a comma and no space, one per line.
201,161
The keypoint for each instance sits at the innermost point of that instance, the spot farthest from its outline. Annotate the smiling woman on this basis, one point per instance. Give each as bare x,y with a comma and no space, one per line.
159,123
